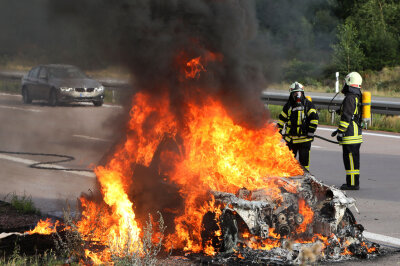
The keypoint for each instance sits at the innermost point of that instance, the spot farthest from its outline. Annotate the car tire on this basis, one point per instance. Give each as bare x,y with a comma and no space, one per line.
26,98
98,103
53,101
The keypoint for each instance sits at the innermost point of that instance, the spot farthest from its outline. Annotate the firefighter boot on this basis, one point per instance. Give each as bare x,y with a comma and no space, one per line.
347,187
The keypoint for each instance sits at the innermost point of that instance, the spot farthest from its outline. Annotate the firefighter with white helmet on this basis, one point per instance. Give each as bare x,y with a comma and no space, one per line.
298,122
349,132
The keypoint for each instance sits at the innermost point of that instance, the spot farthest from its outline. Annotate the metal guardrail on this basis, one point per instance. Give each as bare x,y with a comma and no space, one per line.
322,102
275,98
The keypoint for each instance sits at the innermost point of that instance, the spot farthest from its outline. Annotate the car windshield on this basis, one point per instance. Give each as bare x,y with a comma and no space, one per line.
66,73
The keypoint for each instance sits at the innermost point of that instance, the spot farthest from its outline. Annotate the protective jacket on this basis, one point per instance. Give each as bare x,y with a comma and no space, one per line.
301,121
350,120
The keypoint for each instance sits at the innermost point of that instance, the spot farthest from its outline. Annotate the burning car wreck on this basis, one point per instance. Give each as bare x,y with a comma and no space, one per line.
199,147
309,216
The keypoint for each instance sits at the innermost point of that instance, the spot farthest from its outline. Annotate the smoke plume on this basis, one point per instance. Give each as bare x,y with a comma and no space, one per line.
154,39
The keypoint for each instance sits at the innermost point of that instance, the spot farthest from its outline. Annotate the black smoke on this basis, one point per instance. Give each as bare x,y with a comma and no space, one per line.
154,39
150,37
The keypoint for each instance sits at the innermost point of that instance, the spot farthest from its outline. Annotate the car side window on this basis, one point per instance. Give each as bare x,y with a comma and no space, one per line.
43,73
34,73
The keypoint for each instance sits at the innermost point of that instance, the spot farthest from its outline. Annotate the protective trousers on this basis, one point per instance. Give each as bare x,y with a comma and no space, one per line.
303,149
351,160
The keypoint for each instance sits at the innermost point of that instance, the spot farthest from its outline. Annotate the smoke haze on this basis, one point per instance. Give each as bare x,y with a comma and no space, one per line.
154,39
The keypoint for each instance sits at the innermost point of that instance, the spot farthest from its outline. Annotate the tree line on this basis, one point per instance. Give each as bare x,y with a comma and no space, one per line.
321,37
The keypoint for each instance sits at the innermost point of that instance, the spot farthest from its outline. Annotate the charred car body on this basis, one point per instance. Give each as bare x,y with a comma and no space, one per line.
254,217
60,84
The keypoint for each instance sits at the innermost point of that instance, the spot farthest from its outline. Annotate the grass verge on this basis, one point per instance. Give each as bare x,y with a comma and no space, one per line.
17,258
23,204
10,86
379,122
384,83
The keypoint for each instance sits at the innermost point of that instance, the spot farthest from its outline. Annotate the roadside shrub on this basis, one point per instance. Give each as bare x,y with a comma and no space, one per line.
16,259
70,246
23,204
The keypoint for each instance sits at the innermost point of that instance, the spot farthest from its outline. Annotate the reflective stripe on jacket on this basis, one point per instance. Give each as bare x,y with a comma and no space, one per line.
299,120
350,119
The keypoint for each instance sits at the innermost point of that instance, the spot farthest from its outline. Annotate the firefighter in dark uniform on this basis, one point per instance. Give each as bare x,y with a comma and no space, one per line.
297,124
349,132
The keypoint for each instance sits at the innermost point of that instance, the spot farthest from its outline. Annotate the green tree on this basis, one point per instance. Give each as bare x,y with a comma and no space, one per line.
347,54
378,31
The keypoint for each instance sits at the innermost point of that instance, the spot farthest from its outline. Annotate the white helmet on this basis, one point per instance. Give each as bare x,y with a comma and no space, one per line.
296,87
353,79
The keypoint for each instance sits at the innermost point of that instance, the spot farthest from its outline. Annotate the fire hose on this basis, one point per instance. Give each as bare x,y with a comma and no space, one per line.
328,140
319,137
66,158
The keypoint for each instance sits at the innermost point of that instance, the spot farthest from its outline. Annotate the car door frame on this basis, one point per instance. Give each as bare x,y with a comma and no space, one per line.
43,84
31,83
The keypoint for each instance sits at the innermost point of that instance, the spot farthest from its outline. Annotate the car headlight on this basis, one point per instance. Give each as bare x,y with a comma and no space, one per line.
66,89
99,89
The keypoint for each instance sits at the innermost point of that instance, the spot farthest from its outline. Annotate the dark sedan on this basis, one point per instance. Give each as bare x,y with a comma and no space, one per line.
60,84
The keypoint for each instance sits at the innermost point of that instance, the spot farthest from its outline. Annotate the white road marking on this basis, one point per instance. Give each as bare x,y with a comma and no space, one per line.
382,238
317,147
112,106
21,109
91,138
366,133
29,162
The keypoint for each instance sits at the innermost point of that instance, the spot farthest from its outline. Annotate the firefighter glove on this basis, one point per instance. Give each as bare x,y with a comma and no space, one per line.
334,133
339,137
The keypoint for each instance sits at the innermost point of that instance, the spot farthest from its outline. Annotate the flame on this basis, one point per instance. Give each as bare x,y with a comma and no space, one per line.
193,68
307,213
369,249
44,227
256,242
214,153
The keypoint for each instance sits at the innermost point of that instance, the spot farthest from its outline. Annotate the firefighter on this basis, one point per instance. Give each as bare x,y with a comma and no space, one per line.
297,123
349,132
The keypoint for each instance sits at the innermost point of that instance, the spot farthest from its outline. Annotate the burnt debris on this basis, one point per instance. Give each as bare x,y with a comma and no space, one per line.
314,222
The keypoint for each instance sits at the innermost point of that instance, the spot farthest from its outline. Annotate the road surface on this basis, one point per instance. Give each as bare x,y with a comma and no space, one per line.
82,131
88,133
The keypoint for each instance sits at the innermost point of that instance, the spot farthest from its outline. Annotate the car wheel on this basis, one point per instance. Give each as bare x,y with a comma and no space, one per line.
26,98
98,103
230,231
53,101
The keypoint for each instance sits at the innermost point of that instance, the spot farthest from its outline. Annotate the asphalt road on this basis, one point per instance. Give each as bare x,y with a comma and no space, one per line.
82,131
379,195
88,133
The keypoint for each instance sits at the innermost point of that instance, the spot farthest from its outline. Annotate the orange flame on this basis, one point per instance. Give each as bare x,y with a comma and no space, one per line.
214,153
307,213
369,249
193,68
44,227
